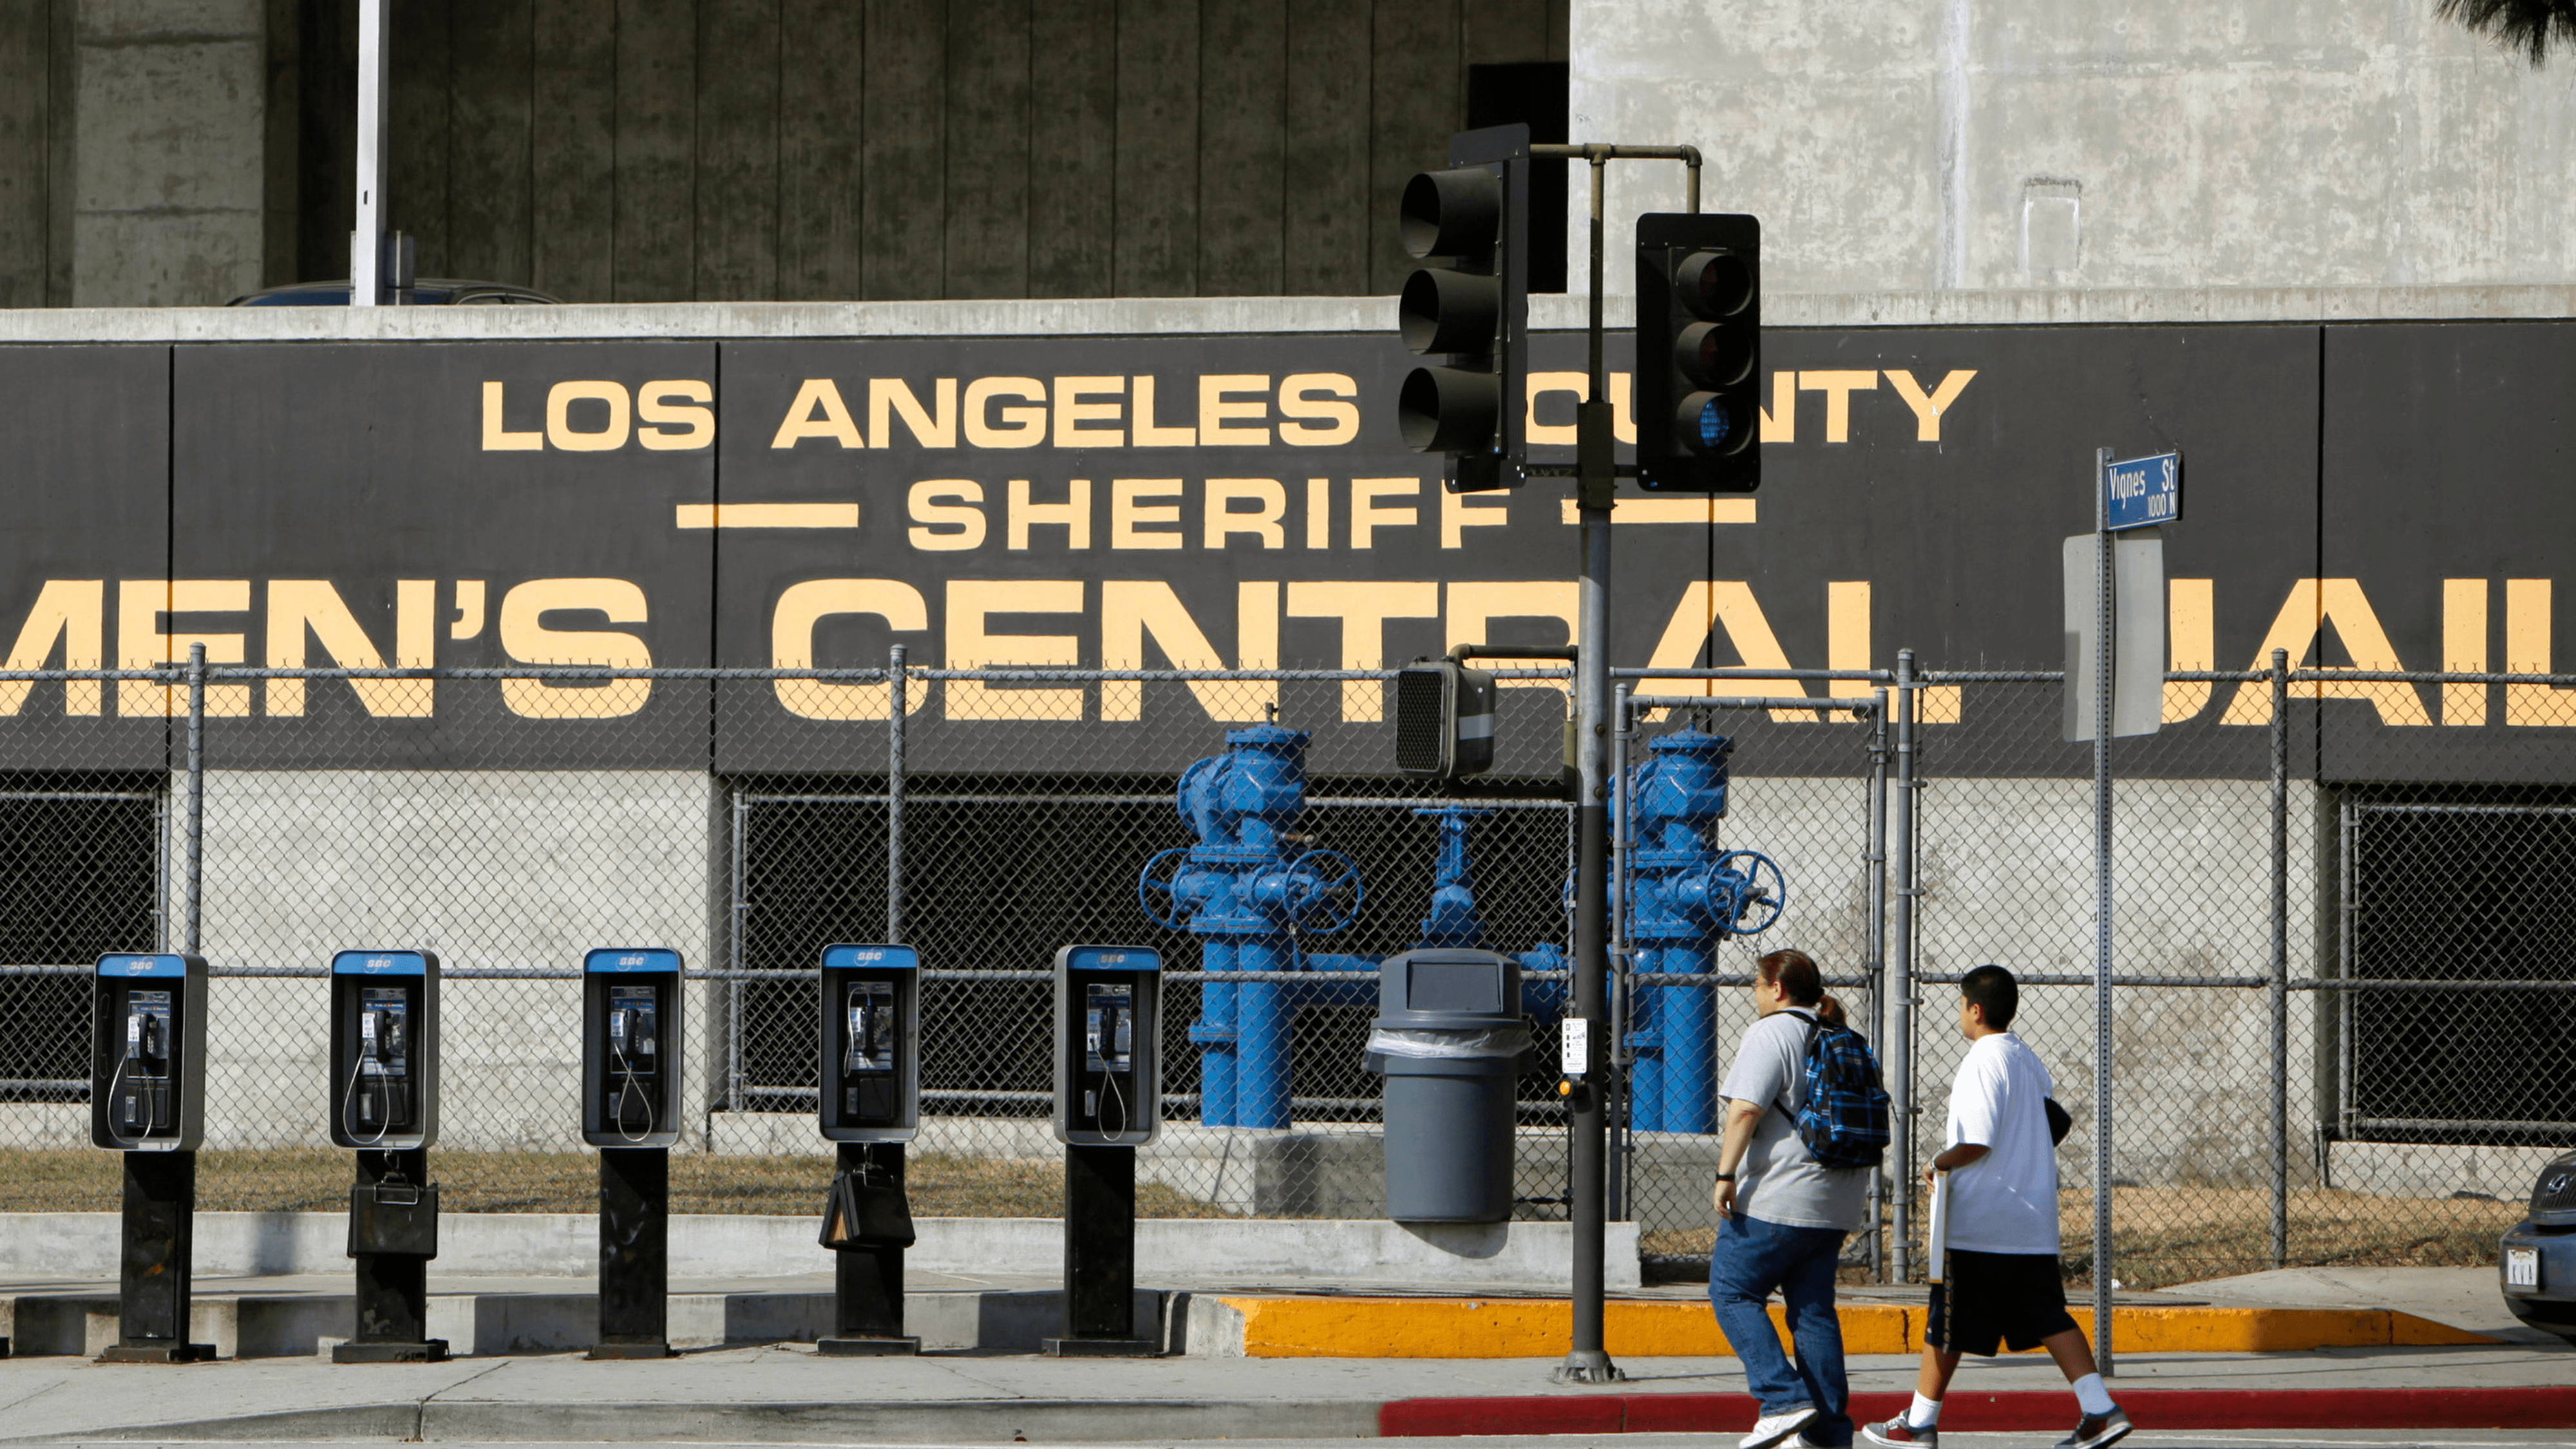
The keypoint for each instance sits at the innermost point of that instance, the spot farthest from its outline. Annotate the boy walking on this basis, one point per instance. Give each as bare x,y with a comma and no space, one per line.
2001,1284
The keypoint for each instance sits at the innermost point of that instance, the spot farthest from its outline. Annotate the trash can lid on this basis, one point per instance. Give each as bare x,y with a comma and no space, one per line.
1450,987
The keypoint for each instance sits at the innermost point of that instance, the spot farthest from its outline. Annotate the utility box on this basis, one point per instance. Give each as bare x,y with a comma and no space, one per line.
871,999
632,1032
147,1074
1108,1035
1451,1043
384,1050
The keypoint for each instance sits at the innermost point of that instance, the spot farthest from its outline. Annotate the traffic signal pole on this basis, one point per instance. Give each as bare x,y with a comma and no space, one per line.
1595,475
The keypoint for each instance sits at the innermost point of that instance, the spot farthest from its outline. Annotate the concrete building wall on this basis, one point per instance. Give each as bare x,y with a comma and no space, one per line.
1925,144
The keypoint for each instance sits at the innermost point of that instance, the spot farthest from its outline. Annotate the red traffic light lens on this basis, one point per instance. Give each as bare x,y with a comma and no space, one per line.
1713,284
1456,213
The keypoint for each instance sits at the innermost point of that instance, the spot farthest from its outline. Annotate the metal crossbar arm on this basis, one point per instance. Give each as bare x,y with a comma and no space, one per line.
1858,676
1952,978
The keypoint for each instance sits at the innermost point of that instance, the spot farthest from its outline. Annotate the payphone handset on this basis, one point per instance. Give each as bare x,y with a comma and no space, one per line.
871,1044
384,1050
1109,1076
631,1040
148,1052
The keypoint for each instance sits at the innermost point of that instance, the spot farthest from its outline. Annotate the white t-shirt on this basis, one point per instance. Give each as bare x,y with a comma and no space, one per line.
1779,1180
2005,1201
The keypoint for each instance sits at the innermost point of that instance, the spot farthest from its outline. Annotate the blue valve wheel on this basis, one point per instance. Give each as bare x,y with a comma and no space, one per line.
1158,889
1762,897
1328,891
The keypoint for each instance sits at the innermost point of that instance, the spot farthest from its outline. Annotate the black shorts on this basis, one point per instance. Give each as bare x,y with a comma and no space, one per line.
2015,1299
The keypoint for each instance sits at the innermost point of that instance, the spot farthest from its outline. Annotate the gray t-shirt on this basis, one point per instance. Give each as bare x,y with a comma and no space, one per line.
1779,1180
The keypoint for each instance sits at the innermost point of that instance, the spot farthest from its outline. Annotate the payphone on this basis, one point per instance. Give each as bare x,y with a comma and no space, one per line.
631,1038
871,1057
148,1058
384,1050
1108,1102
1108,1071
147,1104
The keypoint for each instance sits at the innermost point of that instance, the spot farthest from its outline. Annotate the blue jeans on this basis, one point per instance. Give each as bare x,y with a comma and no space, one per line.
1751,1259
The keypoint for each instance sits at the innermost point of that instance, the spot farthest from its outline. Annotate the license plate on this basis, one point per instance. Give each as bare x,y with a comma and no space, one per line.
2522,1267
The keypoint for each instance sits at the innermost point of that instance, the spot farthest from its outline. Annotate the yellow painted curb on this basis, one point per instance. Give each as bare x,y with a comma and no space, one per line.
1314,1327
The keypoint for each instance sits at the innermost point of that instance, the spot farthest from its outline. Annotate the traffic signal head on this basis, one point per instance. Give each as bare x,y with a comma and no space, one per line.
1444,719
1468,307
1699,353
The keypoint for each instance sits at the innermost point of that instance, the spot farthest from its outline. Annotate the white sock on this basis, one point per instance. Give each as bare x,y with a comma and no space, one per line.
1926,1413
2091,1396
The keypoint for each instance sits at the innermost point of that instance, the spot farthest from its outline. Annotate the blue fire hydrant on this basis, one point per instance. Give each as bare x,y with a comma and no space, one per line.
1685,896
1248,901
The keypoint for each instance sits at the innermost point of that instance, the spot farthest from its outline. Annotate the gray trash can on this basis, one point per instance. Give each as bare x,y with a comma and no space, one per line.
1451,1044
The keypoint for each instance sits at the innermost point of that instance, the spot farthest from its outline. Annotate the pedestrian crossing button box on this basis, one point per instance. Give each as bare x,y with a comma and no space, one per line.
1108,1062
147,1075
384,1050
632,1033
871,1044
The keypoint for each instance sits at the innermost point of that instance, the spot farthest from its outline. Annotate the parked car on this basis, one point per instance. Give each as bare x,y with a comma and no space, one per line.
2538,1265
427,292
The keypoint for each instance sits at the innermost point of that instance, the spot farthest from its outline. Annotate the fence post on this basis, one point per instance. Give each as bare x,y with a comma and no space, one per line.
896,707
1900,987
196,828
1617,1058
2280,958
1874,868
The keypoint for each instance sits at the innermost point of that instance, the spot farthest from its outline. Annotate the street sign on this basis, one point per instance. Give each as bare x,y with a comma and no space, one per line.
2137,633
2142,492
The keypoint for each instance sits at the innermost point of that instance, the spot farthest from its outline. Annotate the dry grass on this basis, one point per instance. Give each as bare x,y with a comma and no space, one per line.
317,1180
2164,1236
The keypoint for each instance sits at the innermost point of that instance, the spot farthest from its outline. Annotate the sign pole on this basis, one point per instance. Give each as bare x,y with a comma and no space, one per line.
2104,662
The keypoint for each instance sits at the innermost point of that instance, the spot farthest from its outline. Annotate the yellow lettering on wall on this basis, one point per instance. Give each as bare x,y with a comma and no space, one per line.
497,438
2464,649
1459,512
2527,651
527,639
1838,384
559,428
1150,433
1217,410
791,644
469,610
1269,504
670,403
892,397
1071,412
2191,639
972,646
1928,407
817,412
1322,400
301,607
1023,426
140,644
1133,610
940,527
1623,415
1780,420
1367,517
1363,607
1474,606
1073,515
1134,523
1706,607
72,613
1319,513
2313,605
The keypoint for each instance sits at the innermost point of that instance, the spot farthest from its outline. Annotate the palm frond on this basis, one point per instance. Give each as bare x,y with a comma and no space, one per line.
2525,25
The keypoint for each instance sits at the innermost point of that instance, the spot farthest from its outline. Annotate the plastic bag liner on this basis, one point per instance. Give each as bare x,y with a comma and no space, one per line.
1500,1042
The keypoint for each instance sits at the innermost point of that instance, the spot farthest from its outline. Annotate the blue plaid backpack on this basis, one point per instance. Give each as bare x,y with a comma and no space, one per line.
1845,1120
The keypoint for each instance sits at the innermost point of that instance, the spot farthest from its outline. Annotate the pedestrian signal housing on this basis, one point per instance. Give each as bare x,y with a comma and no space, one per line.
1444,719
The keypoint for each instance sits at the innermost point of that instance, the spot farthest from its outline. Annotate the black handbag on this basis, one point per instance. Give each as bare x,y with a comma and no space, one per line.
862,1212
2059,1123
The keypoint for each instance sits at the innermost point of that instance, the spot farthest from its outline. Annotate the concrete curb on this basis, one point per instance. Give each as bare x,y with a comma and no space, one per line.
2154,1409
1334,1327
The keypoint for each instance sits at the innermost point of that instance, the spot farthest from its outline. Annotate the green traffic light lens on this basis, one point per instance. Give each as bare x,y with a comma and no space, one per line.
1708,425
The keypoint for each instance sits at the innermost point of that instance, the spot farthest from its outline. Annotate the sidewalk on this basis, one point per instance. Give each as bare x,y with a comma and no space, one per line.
789,1394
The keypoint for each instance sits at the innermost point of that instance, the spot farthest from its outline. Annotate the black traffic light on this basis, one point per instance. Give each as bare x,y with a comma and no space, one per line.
1699,353
1444,719
1470,307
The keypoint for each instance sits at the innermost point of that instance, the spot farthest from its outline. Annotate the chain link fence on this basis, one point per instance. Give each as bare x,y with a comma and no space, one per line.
2341,1026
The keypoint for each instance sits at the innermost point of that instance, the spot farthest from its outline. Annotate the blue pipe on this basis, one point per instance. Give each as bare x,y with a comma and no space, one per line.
1681,906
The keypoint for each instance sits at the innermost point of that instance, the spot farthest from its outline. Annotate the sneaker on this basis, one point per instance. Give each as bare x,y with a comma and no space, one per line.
2093,1431
1771,1429
1898,1434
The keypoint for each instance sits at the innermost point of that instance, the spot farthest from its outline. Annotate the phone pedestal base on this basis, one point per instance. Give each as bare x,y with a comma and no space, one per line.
867,1347
600,1351
159,1353
1100,1348
429,1351
634,1253
1099,1257
153,1291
